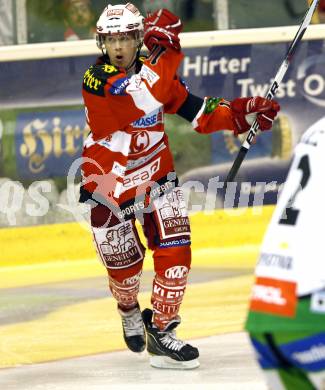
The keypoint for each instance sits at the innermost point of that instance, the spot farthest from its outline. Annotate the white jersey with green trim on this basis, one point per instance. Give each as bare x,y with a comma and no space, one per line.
293,248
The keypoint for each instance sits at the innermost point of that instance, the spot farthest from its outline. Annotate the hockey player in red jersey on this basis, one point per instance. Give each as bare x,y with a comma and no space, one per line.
128,169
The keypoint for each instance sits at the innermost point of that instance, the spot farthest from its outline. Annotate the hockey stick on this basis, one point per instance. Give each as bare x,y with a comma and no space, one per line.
272,91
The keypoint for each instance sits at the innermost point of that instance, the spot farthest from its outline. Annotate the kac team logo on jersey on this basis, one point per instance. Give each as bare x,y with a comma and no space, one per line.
139,142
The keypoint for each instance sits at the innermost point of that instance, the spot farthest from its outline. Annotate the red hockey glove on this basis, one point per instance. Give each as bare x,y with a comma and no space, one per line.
162,28
245,110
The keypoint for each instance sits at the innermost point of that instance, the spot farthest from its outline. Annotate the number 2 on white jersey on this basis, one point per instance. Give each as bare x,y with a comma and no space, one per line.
290,213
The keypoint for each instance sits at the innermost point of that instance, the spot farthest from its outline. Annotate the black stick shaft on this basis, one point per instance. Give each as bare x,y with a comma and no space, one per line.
272,91
236,165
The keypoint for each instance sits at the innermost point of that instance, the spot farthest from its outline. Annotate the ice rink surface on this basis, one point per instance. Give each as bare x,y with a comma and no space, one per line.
227,363
58,326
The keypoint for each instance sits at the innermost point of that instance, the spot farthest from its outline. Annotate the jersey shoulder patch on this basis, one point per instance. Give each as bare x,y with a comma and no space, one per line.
95,78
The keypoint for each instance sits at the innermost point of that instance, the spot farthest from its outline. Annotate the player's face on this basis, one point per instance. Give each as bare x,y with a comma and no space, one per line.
121,49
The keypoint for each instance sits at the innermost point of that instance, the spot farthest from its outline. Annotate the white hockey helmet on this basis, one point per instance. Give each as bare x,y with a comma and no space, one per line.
119,19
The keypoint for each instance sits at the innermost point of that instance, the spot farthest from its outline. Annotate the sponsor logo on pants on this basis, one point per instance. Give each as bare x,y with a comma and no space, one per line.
132,279
177,272
274,296
172,214
121,248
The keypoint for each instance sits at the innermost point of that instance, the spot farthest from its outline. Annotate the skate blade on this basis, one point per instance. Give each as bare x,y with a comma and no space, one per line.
166,362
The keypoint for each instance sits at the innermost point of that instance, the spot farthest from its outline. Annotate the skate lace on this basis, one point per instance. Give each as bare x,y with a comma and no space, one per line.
133,325
171,342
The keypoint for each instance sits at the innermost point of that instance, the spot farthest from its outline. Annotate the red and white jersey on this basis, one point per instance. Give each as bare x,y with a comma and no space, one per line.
127,146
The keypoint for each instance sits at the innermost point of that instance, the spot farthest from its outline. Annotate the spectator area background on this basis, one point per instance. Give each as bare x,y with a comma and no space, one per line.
35,21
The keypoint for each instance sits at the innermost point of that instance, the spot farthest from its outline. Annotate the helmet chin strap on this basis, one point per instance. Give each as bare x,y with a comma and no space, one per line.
130,69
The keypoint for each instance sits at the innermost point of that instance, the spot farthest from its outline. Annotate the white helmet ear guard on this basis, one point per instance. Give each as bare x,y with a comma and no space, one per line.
119,19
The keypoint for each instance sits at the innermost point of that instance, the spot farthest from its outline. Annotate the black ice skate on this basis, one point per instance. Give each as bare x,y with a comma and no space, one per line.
165,349
133,329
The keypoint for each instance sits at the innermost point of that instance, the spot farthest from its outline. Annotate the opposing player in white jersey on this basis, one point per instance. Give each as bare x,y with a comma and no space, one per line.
286,320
